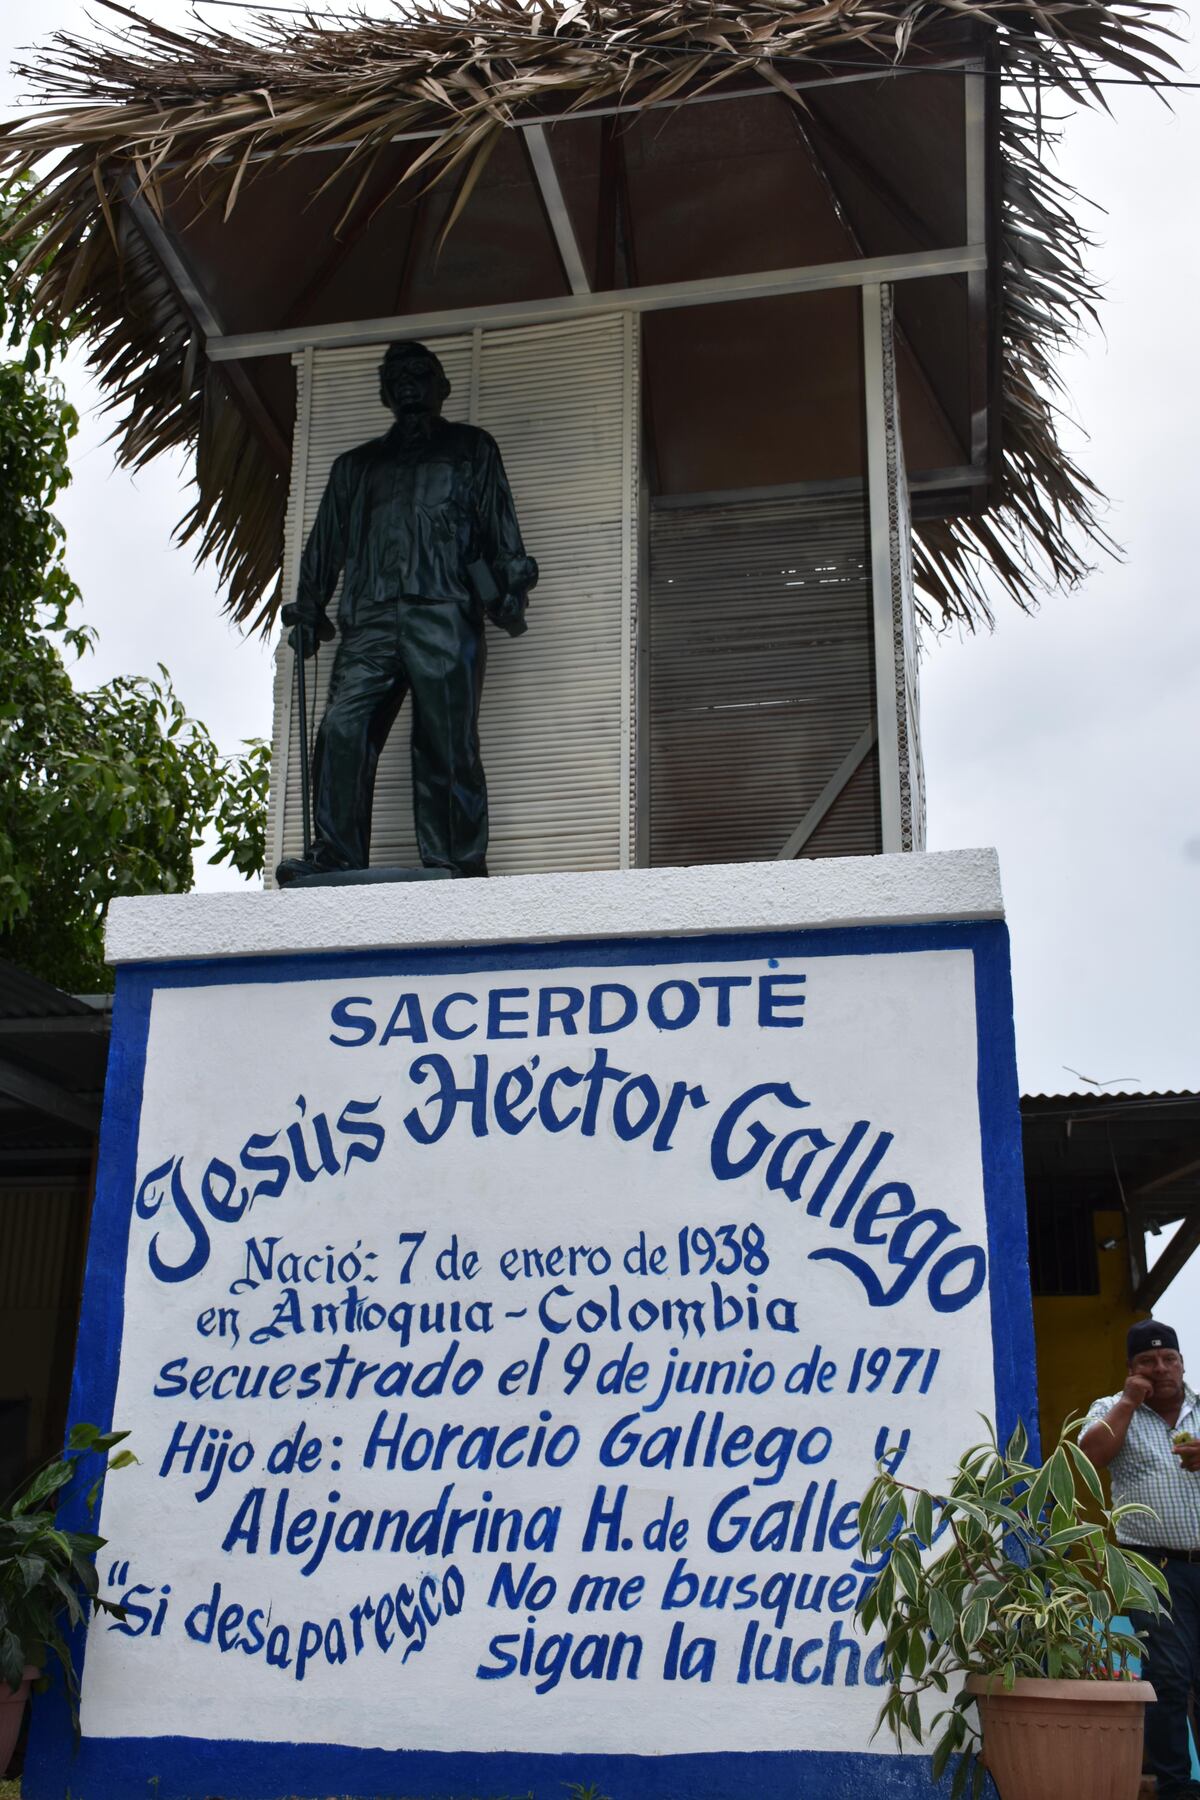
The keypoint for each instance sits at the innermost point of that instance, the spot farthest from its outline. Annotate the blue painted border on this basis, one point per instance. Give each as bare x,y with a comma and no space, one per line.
172,1768
194,1768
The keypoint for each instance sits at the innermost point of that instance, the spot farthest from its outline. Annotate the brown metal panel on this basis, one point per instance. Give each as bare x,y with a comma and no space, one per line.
898,168
895,149
726,190
759,393
259,266
582,159
499,249
933,372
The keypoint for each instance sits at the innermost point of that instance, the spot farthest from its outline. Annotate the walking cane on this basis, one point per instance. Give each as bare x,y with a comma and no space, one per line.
305,774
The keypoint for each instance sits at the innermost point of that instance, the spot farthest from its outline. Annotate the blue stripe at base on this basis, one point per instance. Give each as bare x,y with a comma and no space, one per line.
199,1769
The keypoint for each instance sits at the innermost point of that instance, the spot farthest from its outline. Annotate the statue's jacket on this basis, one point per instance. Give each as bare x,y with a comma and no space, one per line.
406,515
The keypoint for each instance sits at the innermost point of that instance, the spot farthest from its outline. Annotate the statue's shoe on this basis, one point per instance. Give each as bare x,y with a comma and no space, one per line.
295,868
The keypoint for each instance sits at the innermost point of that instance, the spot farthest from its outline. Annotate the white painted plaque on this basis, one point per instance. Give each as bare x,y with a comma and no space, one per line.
507,1338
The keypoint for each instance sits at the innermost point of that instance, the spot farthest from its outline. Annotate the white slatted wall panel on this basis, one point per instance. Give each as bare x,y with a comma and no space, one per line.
561,402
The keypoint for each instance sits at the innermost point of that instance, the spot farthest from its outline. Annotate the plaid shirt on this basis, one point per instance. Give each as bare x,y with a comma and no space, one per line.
1146,1472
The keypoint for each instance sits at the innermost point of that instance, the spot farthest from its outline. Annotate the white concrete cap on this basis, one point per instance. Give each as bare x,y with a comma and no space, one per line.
728,897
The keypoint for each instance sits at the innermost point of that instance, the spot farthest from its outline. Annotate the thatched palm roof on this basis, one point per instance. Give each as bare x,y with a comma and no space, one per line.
147,110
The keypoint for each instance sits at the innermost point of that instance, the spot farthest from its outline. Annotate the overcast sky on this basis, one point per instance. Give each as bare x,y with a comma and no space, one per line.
1067,740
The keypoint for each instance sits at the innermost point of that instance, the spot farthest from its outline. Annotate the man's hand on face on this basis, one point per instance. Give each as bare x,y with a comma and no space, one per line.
1137,1390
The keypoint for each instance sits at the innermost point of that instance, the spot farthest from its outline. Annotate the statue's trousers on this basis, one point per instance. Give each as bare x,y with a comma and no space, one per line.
434,651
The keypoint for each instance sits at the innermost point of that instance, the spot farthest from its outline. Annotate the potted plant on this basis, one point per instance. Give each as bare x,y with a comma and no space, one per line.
47,1577
1010,1579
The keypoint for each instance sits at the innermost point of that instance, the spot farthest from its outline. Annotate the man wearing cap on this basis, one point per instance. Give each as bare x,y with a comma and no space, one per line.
1148,1438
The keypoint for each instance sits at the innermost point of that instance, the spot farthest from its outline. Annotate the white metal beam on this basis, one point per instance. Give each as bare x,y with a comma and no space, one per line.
167,252
828,794
626,108
291,570
179,272
546,175
886,709
762,285
975,159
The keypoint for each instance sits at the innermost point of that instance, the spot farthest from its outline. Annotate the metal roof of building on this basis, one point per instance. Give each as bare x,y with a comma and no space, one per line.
1129,1152
53,1051
24,996
1154,1095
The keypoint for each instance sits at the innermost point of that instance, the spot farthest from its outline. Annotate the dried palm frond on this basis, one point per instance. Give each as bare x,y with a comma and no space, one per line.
214,109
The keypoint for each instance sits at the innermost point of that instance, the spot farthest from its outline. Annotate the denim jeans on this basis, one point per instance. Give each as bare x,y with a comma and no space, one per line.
1172,1663
434,652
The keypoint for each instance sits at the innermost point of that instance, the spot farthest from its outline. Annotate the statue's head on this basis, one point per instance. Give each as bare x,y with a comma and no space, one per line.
412,380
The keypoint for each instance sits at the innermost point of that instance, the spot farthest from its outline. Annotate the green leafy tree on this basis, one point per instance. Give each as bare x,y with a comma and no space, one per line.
107,790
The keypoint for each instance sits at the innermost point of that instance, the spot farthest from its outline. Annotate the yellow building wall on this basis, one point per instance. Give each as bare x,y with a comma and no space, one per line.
1080,1338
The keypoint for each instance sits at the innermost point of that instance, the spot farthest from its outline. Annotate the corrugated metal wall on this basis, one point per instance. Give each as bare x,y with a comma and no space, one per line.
556,724
43,1226
38,1231
761,677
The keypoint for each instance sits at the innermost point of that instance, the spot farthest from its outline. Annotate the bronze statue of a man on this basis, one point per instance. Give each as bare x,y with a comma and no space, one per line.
421,524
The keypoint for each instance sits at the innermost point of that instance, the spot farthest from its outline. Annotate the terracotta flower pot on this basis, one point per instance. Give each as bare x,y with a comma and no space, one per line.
12,1711
1046,1739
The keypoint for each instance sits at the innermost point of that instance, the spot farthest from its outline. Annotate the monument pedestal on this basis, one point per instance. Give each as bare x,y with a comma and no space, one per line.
509,1288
